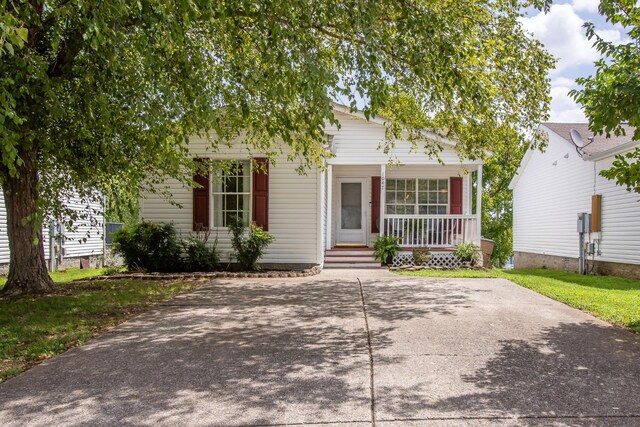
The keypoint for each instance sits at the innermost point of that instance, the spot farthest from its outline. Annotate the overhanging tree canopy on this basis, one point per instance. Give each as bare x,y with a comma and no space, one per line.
105,95
611,97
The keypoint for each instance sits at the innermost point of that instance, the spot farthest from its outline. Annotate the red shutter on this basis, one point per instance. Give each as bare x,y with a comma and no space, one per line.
455,195
260,196
375,204
201,201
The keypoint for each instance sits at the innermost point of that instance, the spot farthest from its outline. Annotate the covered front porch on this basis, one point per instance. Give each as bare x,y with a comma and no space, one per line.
423,205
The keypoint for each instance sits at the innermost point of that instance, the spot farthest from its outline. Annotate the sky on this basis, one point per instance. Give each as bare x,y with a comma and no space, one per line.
561,32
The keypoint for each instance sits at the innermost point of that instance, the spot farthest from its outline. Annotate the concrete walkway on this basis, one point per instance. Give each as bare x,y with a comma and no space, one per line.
438,352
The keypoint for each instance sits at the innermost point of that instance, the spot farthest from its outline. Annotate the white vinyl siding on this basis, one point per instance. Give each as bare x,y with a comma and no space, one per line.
298,211
549,194
293,208
4,237
84,240
553,188
620,219
359,142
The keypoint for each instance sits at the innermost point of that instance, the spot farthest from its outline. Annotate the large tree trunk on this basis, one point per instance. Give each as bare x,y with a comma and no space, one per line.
27,269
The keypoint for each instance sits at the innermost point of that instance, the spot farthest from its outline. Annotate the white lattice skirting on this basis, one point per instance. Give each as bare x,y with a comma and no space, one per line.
443,259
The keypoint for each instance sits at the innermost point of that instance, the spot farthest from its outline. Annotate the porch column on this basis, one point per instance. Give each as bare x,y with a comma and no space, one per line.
479,203
383,185
320,227
468,194
329,206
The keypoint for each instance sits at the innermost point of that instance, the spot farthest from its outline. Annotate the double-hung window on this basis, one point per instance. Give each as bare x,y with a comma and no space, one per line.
416,196
231,193
433,196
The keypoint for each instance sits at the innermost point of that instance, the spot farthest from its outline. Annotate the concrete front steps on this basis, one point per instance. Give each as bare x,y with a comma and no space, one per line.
350,257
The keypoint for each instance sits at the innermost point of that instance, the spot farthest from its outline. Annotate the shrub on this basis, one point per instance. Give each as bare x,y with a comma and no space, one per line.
248,248
198,256
385,247
467,252
112,270
421,256
150,247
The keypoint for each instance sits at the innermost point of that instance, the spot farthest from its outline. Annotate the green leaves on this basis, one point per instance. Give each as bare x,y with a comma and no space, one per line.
23,33
13,35
108,93
611,97
625,170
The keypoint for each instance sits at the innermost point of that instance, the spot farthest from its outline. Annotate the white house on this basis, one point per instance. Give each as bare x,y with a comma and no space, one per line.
332,215
85,240
551,188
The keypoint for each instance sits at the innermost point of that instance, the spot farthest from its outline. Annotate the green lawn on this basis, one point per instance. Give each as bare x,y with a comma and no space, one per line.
35,328
68,275
613,299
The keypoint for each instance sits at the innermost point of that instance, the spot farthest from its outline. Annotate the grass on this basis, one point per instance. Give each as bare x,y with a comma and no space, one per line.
613,299
33,329
68,275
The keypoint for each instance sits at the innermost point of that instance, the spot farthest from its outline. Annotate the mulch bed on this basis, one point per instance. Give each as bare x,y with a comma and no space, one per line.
210,275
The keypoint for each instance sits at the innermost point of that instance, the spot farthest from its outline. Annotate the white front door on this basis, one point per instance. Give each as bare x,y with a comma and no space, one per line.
352,216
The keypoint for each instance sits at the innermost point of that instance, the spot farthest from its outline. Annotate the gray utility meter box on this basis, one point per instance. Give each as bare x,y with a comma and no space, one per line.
584,222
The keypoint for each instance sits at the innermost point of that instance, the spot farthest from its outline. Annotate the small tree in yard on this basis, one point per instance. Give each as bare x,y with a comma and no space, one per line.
105,94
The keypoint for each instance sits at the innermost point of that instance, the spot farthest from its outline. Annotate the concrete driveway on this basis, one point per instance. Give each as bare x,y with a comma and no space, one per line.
441,352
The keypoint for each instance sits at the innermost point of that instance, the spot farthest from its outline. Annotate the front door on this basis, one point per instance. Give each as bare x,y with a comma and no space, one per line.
352,211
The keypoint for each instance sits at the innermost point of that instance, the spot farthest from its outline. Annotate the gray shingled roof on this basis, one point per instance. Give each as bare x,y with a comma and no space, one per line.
600,142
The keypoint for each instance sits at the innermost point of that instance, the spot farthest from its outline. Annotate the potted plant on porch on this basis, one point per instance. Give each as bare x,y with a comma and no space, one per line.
385,247
467,252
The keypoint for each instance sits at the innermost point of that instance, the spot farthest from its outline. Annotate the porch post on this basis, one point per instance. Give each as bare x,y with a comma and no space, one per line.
321,188
469,194
329,206
383,185
479,204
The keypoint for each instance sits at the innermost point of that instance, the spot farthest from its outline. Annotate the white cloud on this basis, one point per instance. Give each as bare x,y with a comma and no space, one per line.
613,36
563,81
562,34
564,108
590,6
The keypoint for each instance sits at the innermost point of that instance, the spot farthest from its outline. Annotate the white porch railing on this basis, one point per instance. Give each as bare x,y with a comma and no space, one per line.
432,230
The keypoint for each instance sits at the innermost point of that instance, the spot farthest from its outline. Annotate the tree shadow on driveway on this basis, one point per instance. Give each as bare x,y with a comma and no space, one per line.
578,374
232,353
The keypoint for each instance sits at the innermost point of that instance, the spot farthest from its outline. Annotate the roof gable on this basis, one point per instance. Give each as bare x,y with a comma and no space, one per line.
601,147
600,143
383,121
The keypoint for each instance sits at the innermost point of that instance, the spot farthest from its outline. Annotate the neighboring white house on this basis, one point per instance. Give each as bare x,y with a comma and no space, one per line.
85,240
331,217
551,188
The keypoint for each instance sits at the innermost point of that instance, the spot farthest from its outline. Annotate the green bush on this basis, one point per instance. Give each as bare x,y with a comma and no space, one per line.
421,256
198,255
149,247
467,252
385,247
248,248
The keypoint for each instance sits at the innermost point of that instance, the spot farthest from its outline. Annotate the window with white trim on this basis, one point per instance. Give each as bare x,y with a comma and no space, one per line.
416,196
231,193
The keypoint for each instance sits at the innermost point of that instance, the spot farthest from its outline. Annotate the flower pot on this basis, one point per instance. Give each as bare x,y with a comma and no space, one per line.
487,250
389,260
